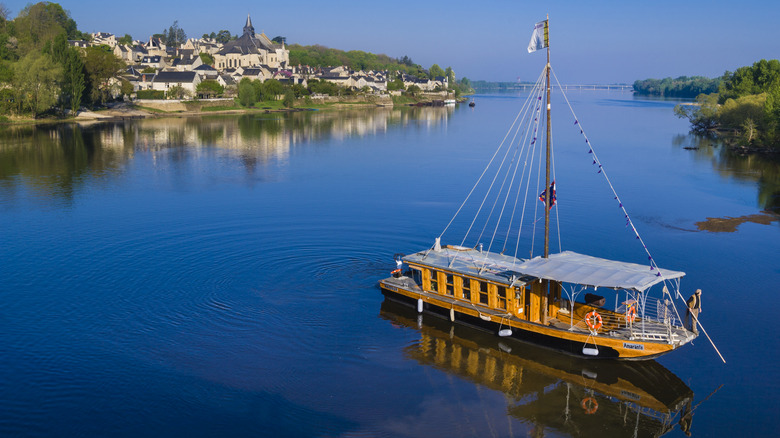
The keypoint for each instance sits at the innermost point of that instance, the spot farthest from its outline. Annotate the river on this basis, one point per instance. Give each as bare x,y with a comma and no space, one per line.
216,276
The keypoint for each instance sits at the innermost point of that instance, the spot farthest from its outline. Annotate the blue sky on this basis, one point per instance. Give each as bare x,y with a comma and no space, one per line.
591,41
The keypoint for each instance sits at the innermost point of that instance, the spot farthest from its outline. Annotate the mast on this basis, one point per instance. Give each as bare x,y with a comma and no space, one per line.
547,194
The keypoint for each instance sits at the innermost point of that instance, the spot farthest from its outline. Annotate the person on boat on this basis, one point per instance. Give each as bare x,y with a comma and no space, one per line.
694,308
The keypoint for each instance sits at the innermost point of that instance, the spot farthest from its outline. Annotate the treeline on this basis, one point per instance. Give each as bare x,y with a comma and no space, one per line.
252,93
683,86
745,108
41,72
321,56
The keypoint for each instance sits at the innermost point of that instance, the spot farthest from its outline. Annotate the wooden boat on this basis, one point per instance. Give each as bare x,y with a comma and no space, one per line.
552,391
579,304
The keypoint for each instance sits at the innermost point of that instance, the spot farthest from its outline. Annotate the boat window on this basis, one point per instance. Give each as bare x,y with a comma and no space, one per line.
434,281
466,289
501,303
417,276
483,292
450,285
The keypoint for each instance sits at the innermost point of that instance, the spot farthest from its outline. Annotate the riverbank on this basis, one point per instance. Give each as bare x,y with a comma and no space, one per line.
141,109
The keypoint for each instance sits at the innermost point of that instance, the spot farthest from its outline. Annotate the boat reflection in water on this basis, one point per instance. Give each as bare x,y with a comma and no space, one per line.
552,391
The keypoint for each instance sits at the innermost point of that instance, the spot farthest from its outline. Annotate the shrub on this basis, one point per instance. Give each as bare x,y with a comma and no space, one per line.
150,94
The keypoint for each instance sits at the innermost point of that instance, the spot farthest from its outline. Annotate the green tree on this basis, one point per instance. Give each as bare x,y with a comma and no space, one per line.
101,67
749,130
175,35
704,116
435,71
207,58
209,88
41,22
223,36
36,79
324,87
450,77
682,86
74,81
289,98
272,89
413,90
733,112
299,91
395,85
126,88
755,79
177,92
772,114
127,40
246,93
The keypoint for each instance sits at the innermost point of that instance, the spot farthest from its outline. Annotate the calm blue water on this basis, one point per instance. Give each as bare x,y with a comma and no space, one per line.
217,276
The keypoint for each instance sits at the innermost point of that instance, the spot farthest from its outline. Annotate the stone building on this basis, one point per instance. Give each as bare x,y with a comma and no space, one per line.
251,50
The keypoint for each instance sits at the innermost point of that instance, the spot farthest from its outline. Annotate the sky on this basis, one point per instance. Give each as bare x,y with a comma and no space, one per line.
591,42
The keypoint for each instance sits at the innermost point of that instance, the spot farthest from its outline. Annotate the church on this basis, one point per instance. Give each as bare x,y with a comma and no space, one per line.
252,50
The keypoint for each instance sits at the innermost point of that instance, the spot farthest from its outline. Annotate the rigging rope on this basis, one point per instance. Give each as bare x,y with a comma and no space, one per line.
486,169
509,189
596,161
531,151
535,125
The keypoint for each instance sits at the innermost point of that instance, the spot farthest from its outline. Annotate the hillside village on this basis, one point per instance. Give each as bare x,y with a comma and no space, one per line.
154,66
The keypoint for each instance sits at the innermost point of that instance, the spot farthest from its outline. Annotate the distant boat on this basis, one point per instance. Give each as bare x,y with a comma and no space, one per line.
556,300
472,103
449,102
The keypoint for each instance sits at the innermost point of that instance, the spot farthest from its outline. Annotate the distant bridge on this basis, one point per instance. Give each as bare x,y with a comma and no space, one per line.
616,87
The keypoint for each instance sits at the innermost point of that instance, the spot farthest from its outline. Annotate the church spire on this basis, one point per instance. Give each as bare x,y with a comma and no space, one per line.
248,28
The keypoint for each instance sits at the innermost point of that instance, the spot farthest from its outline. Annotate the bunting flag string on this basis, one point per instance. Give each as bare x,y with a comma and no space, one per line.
629,222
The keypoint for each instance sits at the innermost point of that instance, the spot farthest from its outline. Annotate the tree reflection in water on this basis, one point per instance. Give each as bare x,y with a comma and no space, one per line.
53,161
762,169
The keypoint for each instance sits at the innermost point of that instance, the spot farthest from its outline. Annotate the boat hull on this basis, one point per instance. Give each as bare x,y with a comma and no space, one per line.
538,334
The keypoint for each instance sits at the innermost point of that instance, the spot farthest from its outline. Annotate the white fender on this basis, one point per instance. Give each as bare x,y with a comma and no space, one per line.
505,332
452,314
590,351
419,305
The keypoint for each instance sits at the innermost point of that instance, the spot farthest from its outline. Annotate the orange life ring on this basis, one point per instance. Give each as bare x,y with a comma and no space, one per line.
593,320
395,271
630,314
590,405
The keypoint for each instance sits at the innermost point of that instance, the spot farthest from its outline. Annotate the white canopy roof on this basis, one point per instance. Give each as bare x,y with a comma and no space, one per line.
571,267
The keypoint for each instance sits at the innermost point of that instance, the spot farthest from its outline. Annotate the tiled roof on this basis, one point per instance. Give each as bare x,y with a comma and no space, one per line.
175,76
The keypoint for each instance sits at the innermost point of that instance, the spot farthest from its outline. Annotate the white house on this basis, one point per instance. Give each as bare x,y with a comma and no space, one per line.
165,80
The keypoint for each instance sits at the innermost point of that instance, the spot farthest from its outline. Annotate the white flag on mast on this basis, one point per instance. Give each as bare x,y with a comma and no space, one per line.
539,39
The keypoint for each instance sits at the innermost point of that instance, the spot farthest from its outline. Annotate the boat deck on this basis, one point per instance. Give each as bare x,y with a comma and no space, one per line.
614,325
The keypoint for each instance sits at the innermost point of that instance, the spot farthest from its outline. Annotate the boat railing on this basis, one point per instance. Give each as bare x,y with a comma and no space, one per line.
658,322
